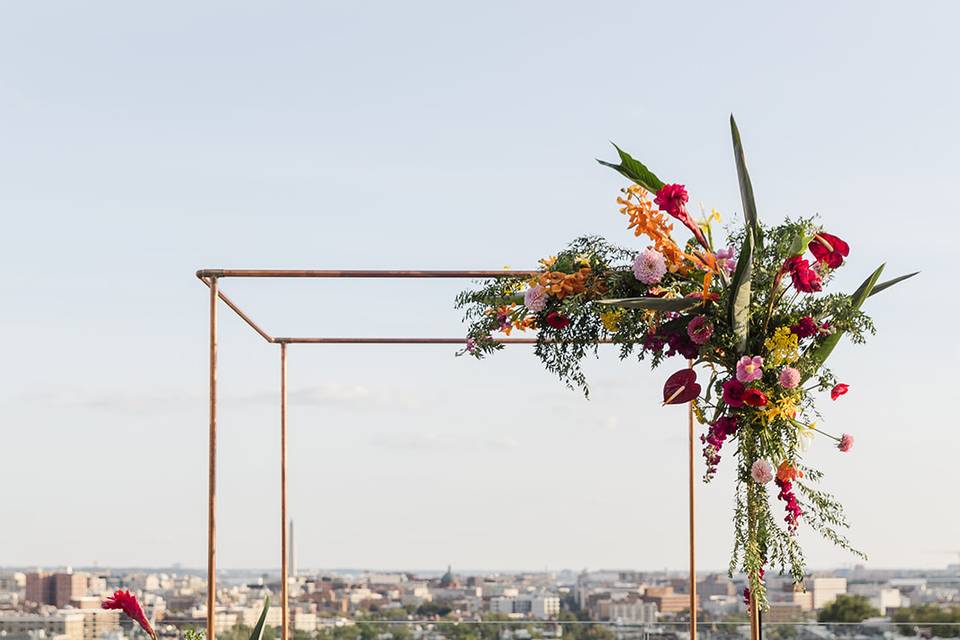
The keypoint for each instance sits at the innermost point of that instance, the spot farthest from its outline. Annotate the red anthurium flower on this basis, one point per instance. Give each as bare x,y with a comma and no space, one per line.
681,387
754,398
672,198
557,320
127,602
829,249
839,390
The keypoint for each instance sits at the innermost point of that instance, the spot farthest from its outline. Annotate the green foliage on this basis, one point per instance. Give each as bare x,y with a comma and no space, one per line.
946,618
739,303
847,608
635,170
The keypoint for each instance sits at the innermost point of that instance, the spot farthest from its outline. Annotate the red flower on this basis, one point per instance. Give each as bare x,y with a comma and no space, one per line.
127,602
839,390
681,387
754,398
672,198
804,278
557,320
805,327
829,249
733,391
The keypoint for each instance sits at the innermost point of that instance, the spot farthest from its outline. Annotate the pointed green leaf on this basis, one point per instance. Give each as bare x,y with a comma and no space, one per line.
740,292
822,351
889,283
746,187
257,632
635,170
653,304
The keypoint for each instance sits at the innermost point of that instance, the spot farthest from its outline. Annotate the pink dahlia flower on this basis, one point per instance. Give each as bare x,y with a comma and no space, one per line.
649,266
535,298
789,378
761,471
749,369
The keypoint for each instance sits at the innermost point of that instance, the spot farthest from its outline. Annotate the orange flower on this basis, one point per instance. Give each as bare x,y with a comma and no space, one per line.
560,285
787,472
645,220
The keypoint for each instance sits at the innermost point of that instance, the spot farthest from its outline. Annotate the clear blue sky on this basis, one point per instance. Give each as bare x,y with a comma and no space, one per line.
139,143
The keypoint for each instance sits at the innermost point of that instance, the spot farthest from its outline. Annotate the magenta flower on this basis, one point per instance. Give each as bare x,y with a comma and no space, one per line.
535,298
673,198
700,329
761,471
649,266
789,378
733,391
749,369
846,442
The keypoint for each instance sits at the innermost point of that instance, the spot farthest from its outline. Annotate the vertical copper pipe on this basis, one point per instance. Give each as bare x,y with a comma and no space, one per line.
754,619
212,469
693,540
283,493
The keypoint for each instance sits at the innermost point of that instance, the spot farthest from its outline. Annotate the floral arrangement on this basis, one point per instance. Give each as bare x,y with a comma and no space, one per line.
750,317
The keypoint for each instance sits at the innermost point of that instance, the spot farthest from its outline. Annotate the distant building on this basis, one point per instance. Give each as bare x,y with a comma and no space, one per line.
542,607
666,600
57,589
826,590
69,625
632,611
715,585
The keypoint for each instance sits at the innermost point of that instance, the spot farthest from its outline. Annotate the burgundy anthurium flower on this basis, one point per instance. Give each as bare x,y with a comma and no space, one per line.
127,602
829,249
681,387
672,198
839,390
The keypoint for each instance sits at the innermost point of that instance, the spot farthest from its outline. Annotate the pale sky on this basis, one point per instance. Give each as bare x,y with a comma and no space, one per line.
141,142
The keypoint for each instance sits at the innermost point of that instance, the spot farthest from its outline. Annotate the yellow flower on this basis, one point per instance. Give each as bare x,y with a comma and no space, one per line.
611,320
547,263
698,412
785,408
783,347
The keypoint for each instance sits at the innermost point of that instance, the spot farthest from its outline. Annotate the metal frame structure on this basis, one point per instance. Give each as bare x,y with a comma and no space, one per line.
211,278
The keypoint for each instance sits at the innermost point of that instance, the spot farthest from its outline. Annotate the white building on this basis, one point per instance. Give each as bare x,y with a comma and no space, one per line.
826,590
633,611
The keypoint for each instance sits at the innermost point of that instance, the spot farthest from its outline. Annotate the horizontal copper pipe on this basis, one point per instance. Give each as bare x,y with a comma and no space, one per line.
266,336
406,341
357,273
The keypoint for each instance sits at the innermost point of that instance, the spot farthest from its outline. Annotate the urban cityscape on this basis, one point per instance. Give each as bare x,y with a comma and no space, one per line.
63,603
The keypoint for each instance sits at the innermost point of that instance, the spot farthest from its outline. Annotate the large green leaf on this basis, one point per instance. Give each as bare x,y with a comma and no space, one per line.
740,292
635,170
886,284
257,632
823,350
653,304
746,187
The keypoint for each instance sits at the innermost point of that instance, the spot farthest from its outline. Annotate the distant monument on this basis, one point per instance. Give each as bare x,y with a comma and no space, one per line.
292,556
